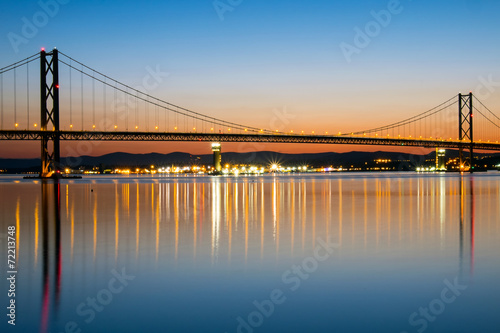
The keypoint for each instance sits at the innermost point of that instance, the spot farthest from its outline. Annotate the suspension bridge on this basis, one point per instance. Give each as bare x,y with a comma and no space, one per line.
100,108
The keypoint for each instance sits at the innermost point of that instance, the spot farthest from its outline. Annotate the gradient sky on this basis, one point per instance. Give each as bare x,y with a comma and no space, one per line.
268,56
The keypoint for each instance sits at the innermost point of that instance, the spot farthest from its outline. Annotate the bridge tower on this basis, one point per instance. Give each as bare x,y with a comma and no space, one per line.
466,133
49,113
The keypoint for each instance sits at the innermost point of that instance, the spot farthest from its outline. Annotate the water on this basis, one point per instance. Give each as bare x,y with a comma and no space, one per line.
305,253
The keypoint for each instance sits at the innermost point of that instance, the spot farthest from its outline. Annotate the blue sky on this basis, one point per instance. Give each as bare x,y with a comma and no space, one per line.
269,55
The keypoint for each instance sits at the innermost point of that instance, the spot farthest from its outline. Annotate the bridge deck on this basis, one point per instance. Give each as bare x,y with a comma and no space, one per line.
266,138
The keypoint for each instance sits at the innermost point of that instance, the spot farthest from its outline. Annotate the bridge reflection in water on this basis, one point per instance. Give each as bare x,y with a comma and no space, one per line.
163,224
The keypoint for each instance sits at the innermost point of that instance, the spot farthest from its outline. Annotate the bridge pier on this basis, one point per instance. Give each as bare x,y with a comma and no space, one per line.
49,114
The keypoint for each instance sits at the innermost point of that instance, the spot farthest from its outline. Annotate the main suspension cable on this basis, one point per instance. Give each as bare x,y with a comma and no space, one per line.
418,117
194,114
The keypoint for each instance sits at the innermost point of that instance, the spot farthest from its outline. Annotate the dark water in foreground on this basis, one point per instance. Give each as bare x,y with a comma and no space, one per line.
305,253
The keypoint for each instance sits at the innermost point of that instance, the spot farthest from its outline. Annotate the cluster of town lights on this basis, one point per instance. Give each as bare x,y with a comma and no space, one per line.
195,169
242,170
278,168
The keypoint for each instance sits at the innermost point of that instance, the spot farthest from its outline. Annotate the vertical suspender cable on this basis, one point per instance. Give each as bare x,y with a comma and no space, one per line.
431,121
146,110
70,97
485,130
478,124
486,135
434,127
28,95
136,110
126,106
482,135
93,100
104,120
15,98
114,108
483,126
444,125
81,93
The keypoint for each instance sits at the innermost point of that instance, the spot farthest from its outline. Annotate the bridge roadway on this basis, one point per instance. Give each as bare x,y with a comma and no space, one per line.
229,137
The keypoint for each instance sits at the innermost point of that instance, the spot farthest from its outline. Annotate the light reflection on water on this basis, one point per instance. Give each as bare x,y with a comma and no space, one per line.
207,247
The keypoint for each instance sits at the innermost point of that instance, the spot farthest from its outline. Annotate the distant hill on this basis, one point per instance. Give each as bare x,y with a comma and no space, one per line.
257,158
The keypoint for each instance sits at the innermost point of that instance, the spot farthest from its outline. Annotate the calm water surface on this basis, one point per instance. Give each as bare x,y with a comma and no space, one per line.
395,252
